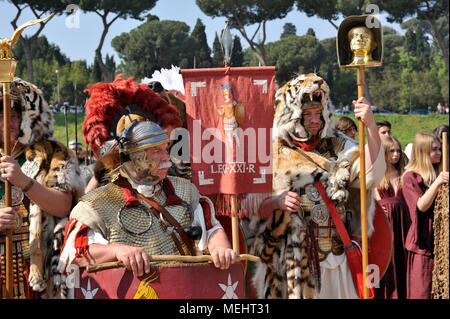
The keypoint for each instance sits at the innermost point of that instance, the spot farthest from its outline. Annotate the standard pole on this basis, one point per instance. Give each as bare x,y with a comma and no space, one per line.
445,151
234,224
76,124
362,160
7,149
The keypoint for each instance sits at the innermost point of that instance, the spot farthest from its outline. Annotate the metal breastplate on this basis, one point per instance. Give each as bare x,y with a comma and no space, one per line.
316,213
137,226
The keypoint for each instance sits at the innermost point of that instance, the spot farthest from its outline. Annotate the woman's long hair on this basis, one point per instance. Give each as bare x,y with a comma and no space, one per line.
388,142
420,157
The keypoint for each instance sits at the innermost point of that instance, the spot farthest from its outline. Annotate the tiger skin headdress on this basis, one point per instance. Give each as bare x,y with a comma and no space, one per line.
37,117
301,90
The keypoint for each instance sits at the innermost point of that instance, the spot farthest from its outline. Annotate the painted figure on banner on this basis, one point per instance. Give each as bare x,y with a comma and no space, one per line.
233,115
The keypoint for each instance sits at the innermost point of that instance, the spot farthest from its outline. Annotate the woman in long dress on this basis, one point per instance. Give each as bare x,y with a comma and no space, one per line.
421,183
390,196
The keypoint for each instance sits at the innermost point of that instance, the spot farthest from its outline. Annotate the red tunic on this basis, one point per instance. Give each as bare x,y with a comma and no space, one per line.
393,283
419,240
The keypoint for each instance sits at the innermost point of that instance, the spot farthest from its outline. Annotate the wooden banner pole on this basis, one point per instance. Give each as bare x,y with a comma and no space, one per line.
234,224
445,151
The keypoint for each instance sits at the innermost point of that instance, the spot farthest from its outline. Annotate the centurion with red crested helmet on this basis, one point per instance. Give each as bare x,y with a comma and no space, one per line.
128,217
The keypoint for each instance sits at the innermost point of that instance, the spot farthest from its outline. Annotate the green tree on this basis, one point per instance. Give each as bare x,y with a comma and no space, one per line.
113,9
388,90
244,13
288,29
79,77
331,10
340,81
237,56
154,45
435,12
294,54
40,49
416,44
40,9
46,58
202,52
311,32
96,71
217,58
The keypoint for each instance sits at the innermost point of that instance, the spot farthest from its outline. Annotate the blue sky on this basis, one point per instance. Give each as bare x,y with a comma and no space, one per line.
80,43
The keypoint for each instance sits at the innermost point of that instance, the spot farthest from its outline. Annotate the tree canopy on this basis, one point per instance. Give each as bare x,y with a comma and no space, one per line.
40,9
113,9
435,12
154,45
244,13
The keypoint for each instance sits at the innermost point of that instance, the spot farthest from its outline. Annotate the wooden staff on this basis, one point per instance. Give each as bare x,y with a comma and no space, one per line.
226,43
7,150
234,224
445,151
359,44
360,79
7,70
185,259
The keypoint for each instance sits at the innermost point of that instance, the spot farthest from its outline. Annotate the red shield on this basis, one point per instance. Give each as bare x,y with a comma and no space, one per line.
380,244
187,281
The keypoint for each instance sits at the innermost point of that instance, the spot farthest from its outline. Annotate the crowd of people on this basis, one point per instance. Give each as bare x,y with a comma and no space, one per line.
57,222
407,194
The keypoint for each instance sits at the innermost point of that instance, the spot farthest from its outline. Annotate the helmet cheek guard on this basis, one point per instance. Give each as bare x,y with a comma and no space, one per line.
139,168
133,141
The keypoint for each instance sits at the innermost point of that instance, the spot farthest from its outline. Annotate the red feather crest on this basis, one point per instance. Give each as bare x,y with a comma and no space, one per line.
108,100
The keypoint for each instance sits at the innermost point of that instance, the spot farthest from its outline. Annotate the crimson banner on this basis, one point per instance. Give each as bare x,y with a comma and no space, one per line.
229,118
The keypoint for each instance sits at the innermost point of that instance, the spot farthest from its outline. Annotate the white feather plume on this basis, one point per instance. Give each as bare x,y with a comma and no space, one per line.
170,79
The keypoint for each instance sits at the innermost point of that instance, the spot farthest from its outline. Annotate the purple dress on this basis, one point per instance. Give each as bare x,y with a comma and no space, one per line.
419,240
393,283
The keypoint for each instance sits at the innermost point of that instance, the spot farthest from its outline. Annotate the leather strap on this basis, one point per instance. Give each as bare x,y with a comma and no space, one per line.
122,182
335,216
172,235
167,216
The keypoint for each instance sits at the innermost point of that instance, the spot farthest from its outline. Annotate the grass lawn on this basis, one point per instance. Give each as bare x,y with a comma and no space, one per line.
60,128
404,127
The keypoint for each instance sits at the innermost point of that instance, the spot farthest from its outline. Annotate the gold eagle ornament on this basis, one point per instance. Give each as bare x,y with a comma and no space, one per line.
6,44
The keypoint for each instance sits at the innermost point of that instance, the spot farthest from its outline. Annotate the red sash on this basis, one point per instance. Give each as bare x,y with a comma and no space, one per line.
352,251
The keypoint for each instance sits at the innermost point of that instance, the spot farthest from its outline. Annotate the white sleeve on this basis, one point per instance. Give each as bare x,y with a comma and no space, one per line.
374,174
69,252
199,220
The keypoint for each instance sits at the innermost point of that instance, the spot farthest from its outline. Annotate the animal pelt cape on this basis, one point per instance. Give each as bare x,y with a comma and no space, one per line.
53,165
292,171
